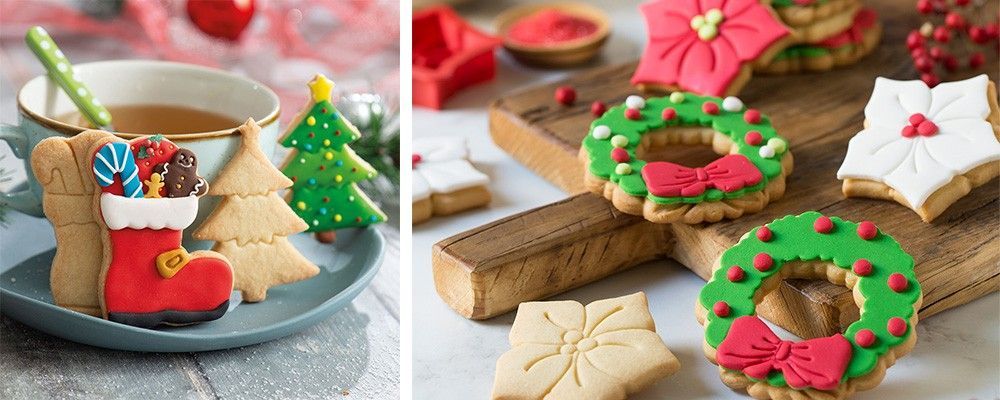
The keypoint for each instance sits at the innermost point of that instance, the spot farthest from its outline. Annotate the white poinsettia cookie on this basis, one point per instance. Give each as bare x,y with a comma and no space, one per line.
925,147
563,350
444,181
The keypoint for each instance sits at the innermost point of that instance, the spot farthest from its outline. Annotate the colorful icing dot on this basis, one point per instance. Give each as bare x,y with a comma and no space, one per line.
311,121
766,151
315,222
864,338
752,116
338,178
350,199
753,138
328,155
898,282
735,274
326,142
732,104
896,326
708,32
763,262
764,234
633,114
636,102
619,155
311,181
710,108
601,132
337,218
823,224
308,147
294,142
862,267
373,218
669,113
323,211
677,97
867,230
326,125
338,163
301,205
778,145
619,141
697,22
714,16
302,161
721,309
623,169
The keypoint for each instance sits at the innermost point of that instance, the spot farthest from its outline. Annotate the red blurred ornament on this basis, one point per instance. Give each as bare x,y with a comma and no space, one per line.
954,20
992,30
950,63
978,34
936,53
225,19
918,52
925,6
962,3
930,79
942,34
924,64
914,40
977,60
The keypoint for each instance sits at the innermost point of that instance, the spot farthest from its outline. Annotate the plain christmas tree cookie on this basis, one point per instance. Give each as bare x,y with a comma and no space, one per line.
444,181
924,147
810,246
257,247
750,173
561,350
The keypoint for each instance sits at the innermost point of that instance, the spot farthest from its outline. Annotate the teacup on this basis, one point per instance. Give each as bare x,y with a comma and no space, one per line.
136,82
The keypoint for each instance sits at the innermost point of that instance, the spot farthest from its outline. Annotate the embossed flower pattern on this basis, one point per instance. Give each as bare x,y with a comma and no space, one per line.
917,139
563,350
701,45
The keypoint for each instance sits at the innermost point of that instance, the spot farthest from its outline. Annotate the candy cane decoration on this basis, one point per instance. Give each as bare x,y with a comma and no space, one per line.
115,158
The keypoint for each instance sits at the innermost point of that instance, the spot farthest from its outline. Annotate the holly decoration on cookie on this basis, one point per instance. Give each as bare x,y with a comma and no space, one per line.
955,35
870,262
703,46
324,169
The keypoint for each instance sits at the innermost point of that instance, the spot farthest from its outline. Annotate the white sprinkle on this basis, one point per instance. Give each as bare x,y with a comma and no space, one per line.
326,125
732,104
636,102
45,44
62,67
60,54
601,132
81,91
766,151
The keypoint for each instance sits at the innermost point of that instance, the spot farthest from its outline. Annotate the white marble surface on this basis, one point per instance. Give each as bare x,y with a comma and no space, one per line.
957,355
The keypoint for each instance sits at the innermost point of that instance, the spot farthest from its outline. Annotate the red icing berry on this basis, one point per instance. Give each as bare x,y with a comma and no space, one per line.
867,230
753,138
896,326
597,109
823,224
925,6
764,234
565,95
721,309
864,338
620,155
919,124
763,262
752,116
898,282
632,114
735,274
942,34
862,267
976,60
669,113
914,40
710,108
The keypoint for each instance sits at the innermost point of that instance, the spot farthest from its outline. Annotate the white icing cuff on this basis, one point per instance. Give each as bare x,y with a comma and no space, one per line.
451,176
421,190
121,212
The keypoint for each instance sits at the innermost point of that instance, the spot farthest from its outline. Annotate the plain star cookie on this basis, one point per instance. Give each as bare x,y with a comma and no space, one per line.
750,172
810,246
561,350
705,46
925,147
444,181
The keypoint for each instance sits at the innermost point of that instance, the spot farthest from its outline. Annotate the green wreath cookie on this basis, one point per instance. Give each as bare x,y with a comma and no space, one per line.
810,246
750,172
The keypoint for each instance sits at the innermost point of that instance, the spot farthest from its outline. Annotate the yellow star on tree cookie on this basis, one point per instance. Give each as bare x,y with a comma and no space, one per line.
154,184
321,88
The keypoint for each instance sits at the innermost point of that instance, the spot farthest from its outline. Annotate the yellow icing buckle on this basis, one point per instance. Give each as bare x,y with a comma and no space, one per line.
169,263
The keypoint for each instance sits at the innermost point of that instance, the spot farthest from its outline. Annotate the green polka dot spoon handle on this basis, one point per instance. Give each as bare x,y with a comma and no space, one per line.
61,71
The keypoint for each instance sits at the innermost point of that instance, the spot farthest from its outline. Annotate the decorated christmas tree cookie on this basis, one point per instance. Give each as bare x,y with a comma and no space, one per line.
323,168
257,247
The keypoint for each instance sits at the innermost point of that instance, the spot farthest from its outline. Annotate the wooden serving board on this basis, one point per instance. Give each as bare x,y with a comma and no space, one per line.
489,270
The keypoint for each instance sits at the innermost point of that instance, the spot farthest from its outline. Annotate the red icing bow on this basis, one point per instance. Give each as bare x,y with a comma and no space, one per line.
753,348
728,174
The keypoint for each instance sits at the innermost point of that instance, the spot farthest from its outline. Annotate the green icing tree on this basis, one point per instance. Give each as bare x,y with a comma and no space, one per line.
324,168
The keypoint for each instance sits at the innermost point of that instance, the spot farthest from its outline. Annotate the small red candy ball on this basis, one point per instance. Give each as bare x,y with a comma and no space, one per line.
721,309
633,114
954,20
914,40
764,234
976,60
620,155
942,34
753,138
925,7
930,79
867,230
710,108
823,224
862,267
896,326
752,116
864,338
566,95
898,283
735,274
669,113
597,109
763,262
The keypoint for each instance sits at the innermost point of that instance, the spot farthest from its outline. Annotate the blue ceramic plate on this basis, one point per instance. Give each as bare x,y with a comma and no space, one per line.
346,268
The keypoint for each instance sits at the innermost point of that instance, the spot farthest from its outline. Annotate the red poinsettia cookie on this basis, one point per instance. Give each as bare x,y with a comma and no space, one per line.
707,46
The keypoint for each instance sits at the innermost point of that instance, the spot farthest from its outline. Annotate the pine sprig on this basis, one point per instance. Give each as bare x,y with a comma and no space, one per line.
379,143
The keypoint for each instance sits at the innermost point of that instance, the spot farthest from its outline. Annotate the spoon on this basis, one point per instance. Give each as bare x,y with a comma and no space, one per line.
61,71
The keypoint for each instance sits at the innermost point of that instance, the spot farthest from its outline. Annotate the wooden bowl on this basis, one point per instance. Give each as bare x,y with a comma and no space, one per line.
558,55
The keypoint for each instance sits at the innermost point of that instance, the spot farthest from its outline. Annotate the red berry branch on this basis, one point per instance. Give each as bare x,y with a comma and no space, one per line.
953,31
